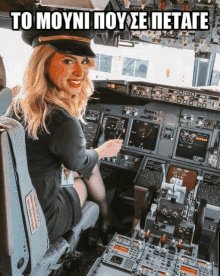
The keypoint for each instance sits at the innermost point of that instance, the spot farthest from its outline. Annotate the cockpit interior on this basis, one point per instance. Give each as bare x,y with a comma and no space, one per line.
159,91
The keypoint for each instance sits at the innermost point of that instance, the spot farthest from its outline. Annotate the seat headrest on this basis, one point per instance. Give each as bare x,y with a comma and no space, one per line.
2,74
5,93
5,99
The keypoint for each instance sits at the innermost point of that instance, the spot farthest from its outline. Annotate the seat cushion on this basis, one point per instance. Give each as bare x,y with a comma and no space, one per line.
90,213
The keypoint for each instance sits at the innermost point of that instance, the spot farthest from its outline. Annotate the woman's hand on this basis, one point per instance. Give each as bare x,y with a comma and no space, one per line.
109,148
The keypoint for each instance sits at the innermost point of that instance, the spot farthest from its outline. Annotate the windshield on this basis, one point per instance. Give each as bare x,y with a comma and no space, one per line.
145,62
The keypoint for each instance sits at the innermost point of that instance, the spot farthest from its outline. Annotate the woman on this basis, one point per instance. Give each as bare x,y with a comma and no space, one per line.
50,107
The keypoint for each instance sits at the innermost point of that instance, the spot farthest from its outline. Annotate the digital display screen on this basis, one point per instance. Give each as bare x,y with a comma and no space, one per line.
188,270
146,268
186,177
213,98
192,145
121,248
117,260
143,135
114,127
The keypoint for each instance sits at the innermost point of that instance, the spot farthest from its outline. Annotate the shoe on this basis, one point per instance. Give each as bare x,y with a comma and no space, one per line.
122,228
104,230
119,226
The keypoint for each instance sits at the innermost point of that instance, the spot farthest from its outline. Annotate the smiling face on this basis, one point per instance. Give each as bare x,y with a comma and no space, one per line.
68,72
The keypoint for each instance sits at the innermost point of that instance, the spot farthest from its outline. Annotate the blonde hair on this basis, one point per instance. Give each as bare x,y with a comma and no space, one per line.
38,92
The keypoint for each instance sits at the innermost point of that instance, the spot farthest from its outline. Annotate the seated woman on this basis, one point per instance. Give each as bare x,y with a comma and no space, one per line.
50,107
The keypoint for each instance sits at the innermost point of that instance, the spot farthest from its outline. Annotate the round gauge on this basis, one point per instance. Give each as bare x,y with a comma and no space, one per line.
164,211
175,214
111,125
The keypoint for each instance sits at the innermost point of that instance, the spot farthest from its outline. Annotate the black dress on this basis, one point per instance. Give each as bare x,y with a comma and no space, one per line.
64,145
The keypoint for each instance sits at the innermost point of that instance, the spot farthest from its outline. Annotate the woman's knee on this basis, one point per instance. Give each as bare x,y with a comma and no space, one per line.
81,189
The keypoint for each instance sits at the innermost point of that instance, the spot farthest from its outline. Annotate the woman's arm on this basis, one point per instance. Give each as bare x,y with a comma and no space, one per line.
69,145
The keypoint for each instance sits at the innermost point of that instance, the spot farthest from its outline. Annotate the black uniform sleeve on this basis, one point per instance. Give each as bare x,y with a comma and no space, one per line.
69,145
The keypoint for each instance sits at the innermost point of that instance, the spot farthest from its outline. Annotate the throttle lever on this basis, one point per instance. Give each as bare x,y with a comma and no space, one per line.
214,150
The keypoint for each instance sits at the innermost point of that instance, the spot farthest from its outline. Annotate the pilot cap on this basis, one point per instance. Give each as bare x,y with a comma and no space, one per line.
70,42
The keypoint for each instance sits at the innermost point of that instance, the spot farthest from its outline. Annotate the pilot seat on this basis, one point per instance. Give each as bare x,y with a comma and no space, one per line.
25,248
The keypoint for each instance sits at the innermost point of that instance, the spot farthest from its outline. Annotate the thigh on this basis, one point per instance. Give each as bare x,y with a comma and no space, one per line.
64,216
96,170
81,190
76,175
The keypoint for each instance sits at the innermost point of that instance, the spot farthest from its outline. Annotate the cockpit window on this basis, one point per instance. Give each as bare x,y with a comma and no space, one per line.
103,63
135,67
216,71
145,62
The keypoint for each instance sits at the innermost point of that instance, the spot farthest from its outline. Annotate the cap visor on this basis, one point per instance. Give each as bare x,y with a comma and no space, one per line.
73,48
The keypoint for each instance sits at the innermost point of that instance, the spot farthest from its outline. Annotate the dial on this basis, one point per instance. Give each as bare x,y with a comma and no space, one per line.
164,211
175,214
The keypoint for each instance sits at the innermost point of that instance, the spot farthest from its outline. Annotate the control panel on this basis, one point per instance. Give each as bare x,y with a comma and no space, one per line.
198,98
150,174
90,129
157,134
170,162
124,161
142,91
158,129
186,97
151,256
209,189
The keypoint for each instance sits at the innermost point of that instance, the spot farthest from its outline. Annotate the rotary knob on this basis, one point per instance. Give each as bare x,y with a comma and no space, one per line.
164,211
175,214
126,157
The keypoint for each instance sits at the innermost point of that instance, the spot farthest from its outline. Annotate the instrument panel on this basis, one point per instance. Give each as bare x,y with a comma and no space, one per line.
173,152
173,136
162,133
192,97
128,256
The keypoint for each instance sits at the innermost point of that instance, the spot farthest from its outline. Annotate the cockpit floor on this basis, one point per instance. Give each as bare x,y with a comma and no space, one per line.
89,257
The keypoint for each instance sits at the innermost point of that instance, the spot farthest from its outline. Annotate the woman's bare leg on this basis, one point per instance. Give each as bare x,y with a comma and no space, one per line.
96,190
